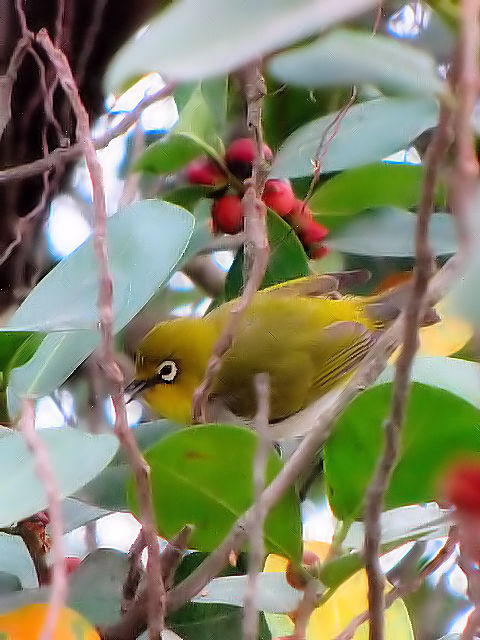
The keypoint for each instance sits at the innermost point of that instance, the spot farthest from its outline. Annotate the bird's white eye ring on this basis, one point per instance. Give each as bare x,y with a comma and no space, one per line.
167,371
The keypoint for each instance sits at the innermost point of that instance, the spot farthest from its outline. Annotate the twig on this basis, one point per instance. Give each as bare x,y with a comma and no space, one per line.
305,609
467,561
130,185
59,23
256,240
90,39
60,155
47,476
378,17
135,570
326,140
173,553
256,554
402,590
465,170
133,623
139,467
223,243
374,496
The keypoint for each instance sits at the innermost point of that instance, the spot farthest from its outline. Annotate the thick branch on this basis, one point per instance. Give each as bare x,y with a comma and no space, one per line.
257,551
46,475
256,240
376,490
139,467
60,156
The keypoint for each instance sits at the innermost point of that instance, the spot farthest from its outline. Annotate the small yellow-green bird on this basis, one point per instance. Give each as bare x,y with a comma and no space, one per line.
303,334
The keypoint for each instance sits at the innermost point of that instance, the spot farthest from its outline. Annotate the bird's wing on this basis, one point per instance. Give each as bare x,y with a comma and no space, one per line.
340,348
319,284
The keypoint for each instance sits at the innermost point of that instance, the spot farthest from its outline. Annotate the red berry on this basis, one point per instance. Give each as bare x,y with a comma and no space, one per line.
313,233
300,216
319,252
279,196
461,486
227,214
71,564
294,578
240,154
204,171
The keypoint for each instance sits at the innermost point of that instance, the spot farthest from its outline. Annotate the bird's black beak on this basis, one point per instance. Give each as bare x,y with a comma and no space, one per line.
134,388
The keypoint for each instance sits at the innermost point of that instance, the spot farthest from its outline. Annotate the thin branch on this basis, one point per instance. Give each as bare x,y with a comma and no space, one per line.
467,561
256,240
135,571
305,609
59,23
90,39
374,497
223,243
139,467
132,180
402,590
378,17
173,553
61,155
257,551
326,140
46,475
465,170
133,622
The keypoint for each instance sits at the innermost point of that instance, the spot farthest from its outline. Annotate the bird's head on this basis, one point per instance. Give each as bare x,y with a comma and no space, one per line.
170,364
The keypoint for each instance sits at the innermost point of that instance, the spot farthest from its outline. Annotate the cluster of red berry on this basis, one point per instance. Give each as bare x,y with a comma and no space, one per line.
278,195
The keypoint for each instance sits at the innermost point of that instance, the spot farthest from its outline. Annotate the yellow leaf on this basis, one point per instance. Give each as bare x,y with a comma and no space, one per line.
349,600
447,336
26,623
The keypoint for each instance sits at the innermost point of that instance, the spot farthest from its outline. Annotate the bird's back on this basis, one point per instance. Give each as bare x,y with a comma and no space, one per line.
306,345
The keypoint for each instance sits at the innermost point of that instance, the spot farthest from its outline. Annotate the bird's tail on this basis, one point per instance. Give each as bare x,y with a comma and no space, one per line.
385,307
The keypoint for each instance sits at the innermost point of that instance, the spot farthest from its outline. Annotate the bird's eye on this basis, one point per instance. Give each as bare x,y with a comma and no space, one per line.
167,371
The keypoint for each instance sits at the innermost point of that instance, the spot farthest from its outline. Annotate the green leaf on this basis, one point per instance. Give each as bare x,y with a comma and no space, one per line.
15,559
95,589
391,232
208,621
438,427
369,132
218,35
171,154
9,583
109,489
10,343
194,135
208,471
464,293
287,258
145,242
377,185
75,456
346,57
337,570
76,514
455,375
